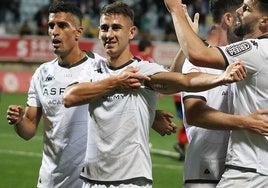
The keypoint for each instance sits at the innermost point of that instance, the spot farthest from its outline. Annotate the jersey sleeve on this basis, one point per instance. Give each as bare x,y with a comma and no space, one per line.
248,51
148,68
187,68
33,98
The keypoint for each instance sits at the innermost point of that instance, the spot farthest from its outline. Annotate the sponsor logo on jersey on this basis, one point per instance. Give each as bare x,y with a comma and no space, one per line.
114,97
53,91
239,48
224,93
55,102
254,43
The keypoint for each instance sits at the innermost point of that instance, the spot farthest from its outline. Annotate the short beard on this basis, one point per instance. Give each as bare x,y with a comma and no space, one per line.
239,30
232,37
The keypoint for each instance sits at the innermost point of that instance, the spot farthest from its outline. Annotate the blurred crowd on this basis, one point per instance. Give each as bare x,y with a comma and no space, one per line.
29,17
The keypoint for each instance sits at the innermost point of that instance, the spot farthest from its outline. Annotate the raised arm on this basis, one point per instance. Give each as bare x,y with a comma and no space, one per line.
192,46
177,63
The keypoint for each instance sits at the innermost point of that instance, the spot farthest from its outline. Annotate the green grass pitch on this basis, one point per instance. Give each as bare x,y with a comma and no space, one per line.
20,159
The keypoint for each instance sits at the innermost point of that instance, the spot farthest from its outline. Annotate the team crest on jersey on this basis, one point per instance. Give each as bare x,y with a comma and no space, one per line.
49,78
99,70
239,48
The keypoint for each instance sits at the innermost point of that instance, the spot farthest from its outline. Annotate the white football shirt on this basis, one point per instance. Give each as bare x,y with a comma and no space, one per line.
248,149
121,124
206,152
65,129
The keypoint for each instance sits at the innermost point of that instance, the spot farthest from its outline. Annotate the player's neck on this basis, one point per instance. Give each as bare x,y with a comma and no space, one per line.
255,35
72,58
217,37
118,61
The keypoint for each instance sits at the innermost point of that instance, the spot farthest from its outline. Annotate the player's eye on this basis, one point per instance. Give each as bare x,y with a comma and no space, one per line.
246,8
116,27
62,25
51,25
104,28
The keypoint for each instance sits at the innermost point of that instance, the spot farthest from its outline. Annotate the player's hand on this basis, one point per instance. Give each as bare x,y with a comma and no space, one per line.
261,125
15,114
163,123
129,79
193,23
235,72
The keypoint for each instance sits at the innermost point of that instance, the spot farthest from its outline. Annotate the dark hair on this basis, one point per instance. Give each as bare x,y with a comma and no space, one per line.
66,6
118,7
263,7
144,43
219,7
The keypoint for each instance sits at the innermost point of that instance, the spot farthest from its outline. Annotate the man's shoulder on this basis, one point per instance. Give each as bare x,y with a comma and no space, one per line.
47,64
94,55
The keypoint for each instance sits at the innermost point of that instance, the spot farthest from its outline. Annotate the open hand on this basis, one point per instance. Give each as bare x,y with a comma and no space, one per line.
193,23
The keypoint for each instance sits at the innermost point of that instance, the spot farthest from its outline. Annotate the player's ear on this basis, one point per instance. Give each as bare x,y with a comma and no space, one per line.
99,35
132,32
228,19
79,32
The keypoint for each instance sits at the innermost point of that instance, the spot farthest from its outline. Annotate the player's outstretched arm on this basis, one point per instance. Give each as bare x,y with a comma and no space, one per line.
172,82
83,93
192,46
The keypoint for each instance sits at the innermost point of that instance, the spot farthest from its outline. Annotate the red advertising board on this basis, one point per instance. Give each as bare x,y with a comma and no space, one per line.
34,49
38,49
15,82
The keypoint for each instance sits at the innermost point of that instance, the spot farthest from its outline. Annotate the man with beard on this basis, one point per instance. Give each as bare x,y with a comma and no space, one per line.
247,155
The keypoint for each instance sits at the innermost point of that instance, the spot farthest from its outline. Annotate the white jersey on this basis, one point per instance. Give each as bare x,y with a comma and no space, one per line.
206,152
247,149
65,129
122,121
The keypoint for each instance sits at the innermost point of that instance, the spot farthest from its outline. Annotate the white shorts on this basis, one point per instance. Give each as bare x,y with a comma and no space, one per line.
237,179
199,185
89,185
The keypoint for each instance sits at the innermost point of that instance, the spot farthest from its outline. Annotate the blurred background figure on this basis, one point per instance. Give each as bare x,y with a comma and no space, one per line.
41,20
182,140
145,48
25,29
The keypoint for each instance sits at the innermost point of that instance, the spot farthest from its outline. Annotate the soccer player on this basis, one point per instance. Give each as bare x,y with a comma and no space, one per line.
122,116
246,161
206,152
211,145
65,130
